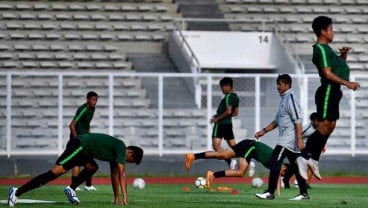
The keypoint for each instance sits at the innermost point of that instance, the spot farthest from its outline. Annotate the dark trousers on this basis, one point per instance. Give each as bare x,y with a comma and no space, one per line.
277,158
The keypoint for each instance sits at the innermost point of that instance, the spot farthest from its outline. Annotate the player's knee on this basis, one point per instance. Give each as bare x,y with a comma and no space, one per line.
94,168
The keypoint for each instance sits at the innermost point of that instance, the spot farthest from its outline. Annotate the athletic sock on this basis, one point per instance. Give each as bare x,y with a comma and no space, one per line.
89,180
82,176
219,174
36,182
73,178
312,143
316,154
199,155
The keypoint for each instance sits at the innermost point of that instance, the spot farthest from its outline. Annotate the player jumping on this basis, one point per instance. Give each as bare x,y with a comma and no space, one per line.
81,151
334,72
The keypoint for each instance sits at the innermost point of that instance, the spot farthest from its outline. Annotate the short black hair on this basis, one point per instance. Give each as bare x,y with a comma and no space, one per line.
226,81
321,23
137,153
313,116
285,78
91,94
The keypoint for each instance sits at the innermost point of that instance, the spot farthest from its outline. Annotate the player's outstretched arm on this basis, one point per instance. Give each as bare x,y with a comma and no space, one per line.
118,177
123,182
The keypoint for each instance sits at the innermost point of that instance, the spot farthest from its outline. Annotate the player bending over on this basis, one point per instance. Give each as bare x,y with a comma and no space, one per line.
82,151
334,72
244,150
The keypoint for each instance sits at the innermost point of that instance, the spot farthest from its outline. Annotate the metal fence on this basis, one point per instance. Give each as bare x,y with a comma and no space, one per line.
36,103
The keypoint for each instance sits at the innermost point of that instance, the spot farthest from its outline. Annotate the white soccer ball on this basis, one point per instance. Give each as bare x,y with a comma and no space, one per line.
257,182
200,182
139,183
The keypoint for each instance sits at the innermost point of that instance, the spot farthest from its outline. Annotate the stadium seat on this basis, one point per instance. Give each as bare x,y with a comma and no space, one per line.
65,64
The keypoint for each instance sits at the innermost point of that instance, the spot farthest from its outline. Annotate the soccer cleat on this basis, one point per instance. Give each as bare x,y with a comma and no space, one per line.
210,177
300,197
90,188
313,165
266,195
303,167
11,196
189,158
72,196
252,169
78,189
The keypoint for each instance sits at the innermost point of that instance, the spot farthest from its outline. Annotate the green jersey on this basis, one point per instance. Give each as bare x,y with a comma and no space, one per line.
324,56
104,147
230,99
263,153
83,118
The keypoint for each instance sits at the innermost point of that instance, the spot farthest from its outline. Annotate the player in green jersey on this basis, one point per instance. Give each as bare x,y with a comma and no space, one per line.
82,151
244,150
334,72
228,108
81,125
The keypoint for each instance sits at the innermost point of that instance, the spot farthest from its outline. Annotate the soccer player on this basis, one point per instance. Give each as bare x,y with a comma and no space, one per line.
334,72
245,150
289,143
82,151
308,129
81,125
228,107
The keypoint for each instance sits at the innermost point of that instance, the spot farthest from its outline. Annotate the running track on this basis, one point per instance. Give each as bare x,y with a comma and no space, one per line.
190,180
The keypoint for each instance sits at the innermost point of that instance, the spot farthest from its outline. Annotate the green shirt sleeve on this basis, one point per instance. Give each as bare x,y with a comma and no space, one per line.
324,59
232,100
120,151
80,113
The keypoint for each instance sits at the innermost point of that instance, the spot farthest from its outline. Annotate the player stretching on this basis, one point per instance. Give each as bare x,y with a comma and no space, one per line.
244,150
81,125
289,122
81,151
228,107
334,72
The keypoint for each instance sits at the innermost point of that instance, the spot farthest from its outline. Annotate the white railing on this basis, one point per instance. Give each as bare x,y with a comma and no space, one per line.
262,91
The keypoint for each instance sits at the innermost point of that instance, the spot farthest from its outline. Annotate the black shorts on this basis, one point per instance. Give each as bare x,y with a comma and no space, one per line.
73,155
327,100
223,131
246,149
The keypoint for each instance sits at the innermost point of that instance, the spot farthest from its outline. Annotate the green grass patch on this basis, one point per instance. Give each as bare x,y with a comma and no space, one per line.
323,196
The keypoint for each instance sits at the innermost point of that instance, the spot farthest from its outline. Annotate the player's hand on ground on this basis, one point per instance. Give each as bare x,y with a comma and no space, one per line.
353,85
125,201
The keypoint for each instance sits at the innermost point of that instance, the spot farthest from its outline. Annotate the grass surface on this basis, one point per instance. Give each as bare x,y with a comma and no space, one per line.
326,196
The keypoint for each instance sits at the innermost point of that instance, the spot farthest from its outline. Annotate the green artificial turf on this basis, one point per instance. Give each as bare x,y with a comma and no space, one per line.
334,196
